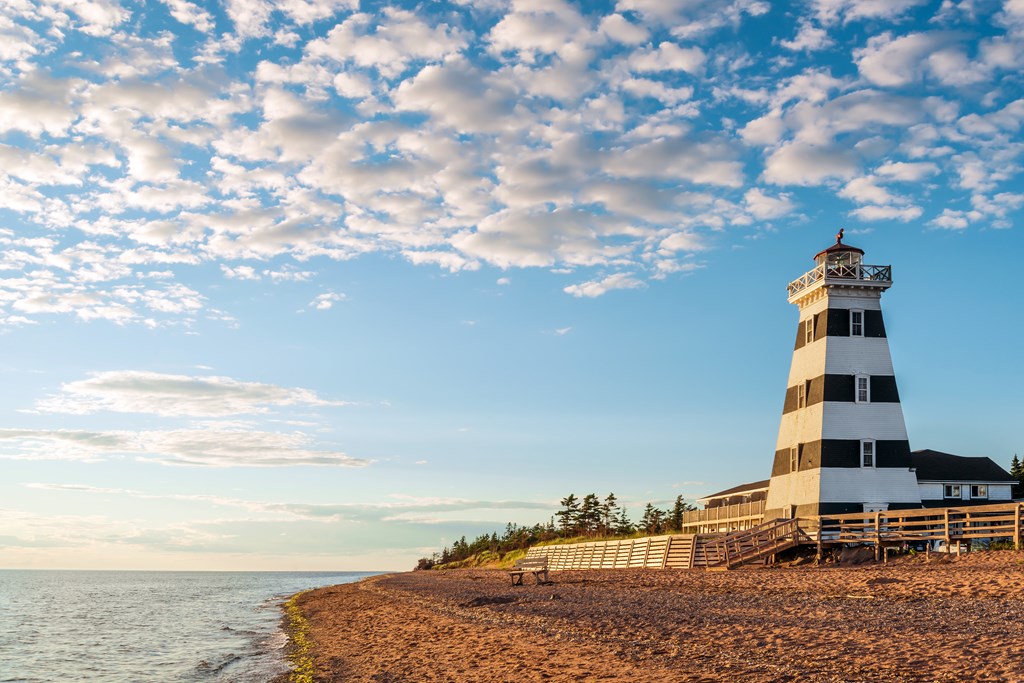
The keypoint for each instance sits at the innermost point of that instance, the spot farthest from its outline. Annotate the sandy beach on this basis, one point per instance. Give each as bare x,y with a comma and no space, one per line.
910,620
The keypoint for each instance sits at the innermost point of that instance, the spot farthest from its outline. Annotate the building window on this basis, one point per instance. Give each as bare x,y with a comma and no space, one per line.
801,395
867,453
951,491
794,459
979,491
863,387
856,323
809,330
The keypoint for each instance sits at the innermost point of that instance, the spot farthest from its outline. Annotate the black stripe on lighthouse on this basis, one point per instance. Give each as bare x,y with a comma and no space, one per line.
843,453
835,322
841,388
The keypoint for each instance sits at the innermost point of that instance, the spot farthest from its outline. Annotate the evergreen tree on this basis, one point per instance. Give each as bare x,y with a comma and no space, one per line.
623,526
608,509
653,520
589,518
678,509
1017,472
568,516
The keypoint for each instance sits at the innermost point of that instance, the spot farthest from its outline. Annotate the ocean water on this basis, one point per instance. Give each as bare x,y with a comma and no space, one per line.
111,626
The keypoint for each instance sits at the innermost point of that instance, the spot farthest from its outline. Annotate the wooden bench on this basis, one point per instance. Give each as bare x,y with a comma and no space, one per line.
538,566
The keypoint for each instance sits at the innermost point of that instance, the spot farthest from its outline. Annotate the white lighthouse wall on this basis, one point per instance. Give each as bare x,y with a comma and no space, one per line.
808,362
843,420
867,485
867,301
857,356
800,426
794,488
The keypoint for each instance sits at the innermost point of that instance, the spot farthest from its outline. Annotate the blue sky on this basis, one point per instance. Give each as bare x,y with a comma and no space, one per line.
326,284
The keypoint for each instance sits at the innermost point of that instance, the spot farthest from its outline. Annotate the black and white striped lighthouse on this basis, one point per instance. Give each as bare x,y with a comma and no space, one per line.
842,443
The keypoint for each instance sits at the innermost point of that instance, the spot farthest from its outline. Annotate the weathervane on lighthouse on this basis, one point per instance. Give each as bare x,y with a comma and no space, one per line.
842,443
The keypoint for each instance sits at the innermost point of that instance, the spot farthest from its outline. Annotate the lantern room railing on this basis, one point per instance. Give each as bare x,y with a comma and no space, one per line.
840,271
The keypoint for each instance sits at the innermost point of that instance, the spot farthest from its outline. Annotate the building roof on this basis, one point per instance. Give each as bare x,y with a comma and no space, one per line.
838,246
738,490
937,466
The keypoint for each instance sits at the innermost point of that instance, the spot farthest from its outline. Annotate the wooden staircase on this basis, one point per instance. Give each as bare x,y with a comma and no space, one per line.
750,545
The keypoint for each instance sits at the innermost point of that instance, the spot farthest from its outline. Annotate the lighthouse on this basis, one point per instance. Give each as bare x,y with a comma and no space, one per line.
842,444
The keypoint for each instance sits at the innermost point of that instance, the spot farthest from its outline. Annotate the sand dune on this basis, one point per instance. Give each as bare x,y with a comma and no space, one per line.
911,620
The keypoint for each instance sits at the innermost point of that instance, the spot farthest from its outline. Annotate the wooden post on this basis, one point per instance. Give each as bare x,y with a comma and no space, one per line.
1017,526
878,536
820,547
948,537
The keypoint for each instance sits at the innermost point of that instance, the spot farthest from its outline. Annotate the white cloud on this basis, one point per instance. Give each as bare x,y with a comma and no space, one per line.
802,164
188,13
866,190
830,11
668,57
460,95
134,391
897,62
766,207
911,172
191,447
535,27
887,213
618,28
390,45
326,300
706,162
809,37
39,104
596,288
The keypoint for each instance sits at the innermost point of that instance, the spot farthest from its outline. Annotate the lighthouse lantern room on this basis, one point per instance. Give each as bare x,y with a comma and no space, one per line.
842,444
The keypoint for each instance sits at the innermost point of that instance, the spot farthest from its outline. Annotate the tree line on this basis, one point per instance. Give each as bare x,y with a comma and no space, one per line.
1017,472
589,517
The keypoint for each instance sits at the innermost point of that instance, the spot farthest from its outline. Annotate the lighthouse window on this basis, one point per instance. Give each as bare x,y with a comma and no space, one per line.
794,458
863,389
867,453
856,323
801,395
809,330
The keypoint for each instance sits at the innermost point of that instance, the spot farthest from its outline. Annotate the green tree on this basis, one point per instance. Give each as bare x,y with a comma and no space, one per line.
623,526
678,509
568,516
608,508
1017,472
653,520
589,518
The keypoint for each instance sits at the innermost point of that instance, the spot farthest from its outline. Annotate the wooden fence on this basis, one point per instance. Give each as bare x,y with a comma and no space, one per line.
951,525
677,551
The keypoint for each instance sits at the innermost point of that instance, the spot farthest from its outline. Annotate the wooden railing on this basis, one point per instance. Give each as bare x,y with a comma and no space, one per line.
739,515
951,525
756,543
838,271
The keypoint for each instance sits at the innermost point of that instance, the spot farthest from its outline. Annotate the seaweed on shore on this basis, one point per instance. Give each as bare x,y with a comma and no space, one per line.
300,644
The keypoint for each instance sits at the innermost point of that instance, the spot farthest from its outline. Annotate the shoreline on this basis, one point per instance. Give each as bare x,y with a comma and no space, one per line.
916,619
